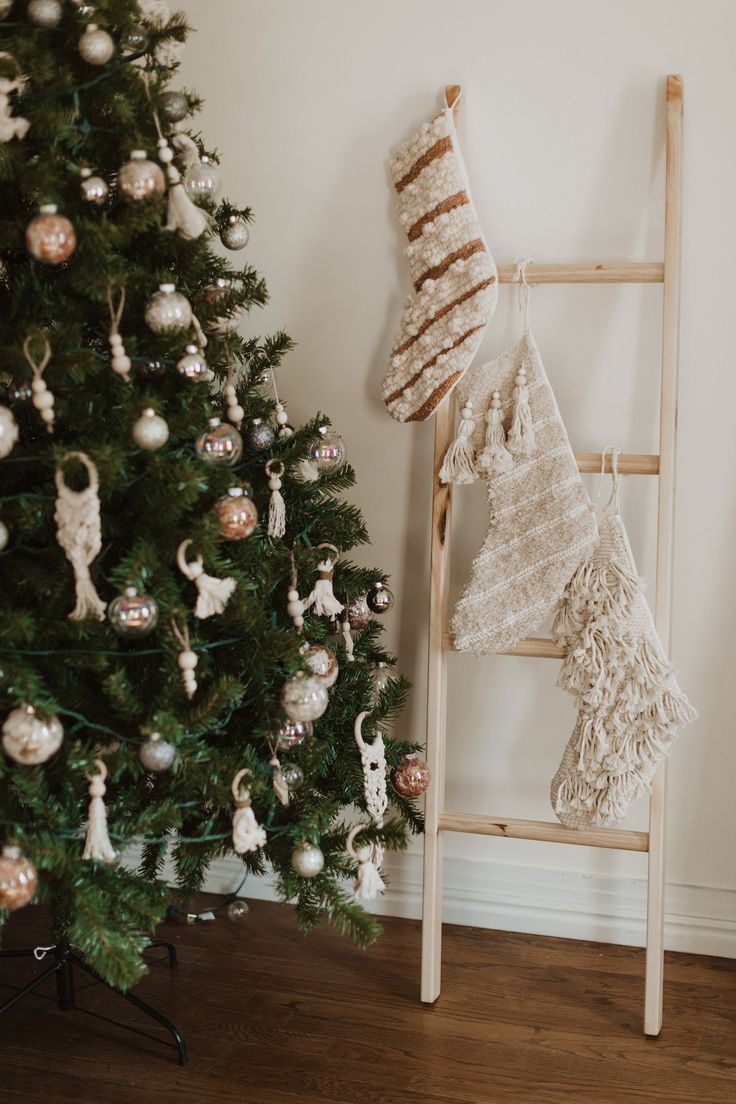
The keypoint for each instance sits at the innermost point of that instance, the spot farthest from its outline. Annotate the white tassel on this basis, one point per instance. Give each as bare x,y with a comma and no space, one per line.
322,596
187,660
306,471
77,517
459,463
347,637
11,126
277,781
182,215
276,506
97,844
495,457
212,593
521,434
120,360
248,835
368,883
185,146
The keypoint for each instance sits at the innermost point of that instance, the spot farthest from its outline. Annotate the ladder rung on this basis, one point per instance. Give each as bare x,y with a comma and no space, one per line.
537,646
629,463
547,831
607,272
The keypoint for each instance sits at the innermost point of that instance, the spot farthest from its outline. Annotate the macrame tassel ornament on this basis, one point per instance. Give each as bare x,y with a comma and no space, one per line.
459,464
521,434
248,835
277,781
369,858
42,398
97,846
77,518
183,216
495,457
322,596
276,505
212,594
119,358
11,126
294,604
187,660
368,883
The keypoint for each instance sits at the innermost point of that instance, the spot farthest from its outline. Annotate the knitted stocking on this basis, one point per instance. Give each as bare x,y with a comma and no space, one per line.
452,270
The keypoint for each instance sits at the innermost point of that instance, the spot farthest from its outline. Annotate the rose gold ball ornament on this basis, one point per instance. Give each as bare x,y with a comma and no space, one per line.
50,236
327,452
150,431
307,860
18,879
95,46
44,13
93,189
220,444
358,614
237,514
411,777
168,311
132,614
304,697
380,599
202,183
292,734
321,662
8,431
193,366
139,178
29,738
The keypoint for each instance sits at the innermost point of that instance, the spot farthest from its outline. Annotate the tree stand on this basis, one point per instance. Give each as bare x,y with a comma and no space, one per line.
65,960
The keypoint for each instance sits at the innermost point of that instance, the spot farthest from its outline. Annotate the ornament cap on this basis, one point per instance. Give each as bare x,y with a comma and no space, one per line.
85,172
191,349
130,592
136,154
48,209
166,288
11,851
222,282
148,412
214,422
236,492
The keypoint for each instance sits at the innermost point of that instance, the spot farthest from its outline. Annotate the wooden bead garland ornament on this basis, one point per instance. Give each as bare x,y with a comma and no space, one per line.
97,846
187,659
248,835
322,597
276,505
79,533
42,398
235,412
213,594
18,879
294,605
120,360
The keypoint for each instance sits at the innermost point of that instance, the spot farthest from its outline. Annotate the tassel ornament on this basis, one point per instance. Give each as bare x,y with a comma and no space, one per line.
368,883
182,215
42,398
212,594
495,459
248,835
79,533
459,464
521,434
187,660
322,596
373,760
97,846
276,505
120,360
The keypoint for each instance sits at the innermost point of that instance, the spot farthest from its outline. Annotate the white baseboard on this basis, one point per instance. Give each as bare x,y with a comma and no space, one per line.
699,919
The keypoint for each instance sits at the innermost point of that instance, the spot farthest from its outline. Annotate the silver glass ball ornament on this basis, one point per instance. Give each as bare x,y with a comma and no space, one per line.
168,311
193,365
237,909
380,679
292,734
134,38
220,444
173,106
291,775
229,320
380,598
139,178
156,754
327,452
8,431
358,614
95,46
4,535
202,182
307,860
259,435
44,13
29,738
150,431
321,662
235,233
133,614
304,697
93,189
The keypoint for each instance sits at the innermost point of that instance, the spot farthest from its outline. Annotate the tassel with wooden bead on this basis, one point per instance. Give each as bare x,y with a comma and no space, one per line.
495,457
276,506
521,434
42,398
187,660
119,359
97,846
459,463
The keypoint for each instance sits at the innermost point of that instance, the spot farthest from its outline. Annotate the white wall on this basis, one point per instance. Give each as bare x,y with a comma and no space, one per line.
562,126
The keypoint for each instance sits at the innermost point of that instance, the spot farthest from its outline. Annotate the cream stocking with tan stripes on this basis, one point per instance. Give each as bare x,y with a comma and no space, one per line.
452,270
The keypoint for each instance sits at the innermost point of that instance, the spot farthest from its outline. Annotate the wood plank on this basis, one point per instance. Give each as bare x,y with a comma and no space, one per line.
538,647
548,831
603,272
629,463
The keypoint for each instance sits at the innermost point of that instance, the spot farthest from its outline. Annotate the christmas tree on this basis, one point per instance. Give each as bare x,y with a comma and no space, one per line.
160,519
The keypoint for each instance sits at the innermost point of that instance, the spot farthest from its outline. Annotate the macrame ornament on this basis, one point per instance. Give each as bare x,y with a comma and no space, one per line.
235,412
119,359
495,457
347,638
42,398
97,846
459,463
368,883
182,215
248,835
294,604
322,596
370,857
77,518
276,505
212,594
11,126
277,780
187,660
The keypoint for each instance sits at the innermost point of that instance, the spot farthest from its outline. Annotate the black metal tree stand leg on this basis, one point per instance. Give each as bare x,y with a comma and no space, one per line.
66,961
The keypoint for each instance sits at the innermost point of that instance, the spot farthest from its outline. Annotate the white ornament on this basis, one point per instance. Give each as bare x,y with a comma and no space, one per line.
307,860
182,215
276,506
97,846
95,46
235,412
120,359
347,637
77,518
158,13
30,739
11,126
368,883
187,660
212,593
277,781
42,398
373,760
150,431
44,13
8,431
322,597
247,832
304,697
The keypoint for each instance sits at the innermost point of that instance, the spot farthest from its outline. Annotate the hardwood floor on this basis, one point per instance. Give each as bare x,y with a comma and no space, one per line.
272,1017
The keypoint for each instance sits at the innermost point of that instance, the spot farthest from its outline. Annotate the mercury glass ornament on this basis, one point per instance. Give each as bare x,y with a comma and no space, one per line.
193,366
18,879
133,614
44,13
156,754
93,189
380,598
304,697
291,775
202,183
358,614
259,435
173,106
327,452
237,909
292,734
380,678
168,311
50,236
220,444
307,860
237,514
4,536
29,738
150,431
134,39
139,178
20,392
321,662
8,431
95,46
227,322
235,233
411,777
